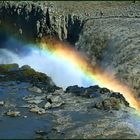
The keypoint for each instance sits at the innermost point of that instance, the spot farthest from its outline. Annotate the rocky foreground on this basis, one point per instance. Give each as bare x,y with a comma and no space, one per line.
32,106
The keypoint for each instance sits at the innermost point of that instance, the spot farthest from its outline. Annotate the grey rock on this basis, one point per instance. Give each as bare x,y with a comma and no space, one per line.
56,99
57,104
47,105
35,89
13,113
38,110
34,101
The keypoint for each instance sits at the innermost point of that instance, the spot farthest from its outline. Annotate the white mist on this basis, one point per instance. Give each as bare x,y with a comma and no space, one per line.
63,74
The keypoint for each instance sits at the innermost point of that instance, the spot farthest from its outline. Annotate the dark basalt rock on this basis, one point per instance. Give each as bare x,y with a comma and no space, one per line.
104,90
75,89
92,91
103,97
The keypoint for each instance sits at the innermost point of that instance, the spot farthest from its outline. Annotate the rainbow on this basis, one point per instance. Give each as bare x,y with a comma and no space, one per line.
68,55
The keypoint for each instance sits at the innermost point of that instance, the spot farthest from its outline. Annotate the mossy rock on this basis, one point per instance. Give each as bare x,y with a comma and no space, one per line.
32,75
4,68
23,74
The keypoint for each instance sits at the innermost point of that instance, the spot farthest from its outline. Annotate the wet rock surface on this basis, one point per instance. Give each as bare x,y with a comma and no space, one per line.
73,113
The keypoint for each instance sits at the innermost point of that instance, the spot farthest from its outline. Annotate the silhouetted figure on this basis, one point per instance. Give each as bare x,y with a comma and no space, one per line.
101,13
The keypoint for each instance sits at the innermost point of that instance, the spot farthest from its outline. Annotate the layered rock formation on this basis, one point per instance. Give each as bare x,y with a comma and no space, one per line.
77,112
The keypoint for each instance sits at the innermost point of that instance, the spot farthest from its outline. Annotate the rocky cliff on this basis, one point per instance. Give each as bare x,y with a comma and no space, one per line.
113,43
34,20
106,32
63,20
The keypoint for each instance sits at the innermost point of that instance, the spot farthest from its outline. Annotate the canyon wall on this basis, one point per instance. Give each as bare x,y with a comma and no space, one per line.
106,32
33,21
114,44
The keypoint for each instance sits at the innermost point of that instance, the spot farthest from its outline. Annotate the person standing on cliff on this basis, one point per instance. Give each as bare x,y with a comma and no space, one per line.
101,13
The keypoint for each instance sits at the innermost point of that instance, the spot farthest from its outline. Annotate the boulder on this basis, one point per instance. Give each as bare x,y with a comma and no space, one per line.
89,92
13,113
35,89
34,101
38,110
110,103
47,105
75,89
